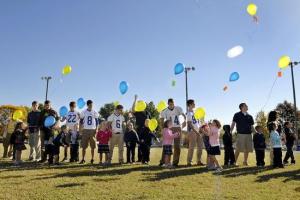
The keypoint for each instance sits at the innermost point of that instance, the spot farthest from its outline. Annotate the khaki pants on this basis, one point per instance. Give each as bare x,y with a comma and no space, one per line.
6,143
42,144
116,139
194,140
35,147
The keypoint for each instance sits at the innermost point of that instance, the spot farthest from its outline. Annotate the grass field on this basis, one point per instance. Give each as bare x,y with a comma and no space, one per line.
73,181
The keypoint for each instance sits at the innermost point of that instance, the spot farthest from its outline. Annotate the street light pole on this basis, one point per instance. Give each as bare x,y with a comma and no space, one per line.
47,78
186,70
292,64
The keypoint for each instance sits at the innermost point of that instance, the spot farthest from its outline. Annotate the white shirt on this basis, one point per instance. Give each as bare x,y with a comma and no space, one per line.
116,122
191,118
72,118
172,115
89,119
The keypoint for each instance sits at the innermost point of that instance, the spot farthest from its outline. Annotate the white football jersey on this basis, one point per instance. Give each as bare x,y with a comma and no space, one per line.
116,122
72,118
89,119
191,118
172,115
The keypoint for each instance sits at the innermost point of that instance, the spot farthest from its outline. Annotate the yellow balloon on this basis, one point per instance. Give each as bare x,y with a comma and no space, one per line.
284,62
140,106
67,70
116,103
161,106
18,115
200,113
252,9
153,124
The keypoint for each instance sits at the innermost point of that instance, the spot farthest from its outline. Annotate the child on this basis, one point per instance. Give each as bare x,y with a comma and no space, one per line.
259,146
229,158
65,138
290,138
50,134
276,144
103,137
214,143
58,138
9,128
146,141
205,130
17,139
168,139
74,143
131,139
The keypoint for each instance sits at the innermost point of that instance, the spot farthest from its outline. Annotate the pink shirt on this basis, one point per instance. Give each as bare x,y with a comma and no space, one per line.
168,136
214,136
103,136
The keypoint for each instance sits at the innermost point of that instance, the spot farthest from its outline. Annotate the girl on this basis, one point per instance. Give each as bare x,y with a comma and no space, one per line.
103,136
276,144
131,139
17,140
168,138
214,143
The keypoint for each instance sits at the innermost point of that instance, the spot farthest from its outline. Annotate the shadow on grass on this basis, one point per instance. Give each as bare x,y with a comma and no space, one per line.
289,176
99,171
69,185
174,173
235,172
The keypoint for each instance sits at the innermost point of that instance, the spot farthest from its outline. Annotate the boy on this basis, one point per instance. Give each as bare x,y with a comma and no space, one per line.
290,139
74,143
57,142
195,138
131,139
117,121
259,146
229,158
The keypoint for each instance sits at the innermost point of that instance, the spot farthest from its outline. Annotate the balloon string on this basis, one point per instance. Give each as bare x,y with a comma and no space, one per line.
270,93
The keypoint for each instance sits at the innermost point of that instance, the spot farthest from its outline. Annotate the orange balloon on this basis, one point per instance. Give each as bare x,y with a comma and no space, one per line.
279,74
225,88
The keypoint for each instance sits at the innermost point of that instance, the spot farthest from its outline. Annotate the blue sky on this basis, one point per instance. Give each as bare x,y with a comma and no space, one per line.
106,42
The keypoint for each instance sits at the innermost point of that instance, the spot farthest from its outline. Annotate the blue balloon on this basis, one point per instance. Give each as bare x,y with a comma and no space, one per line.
123,87
63,111
80,103
234,76
49,121
179,68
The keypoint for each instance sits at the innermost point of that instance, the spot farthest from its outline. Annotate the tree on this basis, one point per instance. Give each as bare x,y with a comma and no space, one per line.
262,120
107,110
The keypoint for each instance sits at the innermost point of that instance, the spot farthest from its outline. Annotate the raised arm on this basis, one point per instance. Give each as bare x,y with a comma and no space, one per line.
134,102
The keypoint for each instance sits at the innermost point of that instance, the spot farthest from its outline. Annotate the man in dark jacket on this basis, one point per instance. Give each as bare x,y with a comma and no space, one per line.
34,132
48,111
259,146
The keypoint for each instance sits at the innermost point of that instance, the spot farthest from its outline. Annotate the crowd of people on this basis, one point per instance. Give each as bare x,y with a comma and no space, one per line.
81,130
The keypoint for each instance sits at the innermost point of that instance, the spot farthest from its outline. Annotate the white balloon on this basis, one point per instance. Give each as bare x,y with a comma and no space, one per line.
235,51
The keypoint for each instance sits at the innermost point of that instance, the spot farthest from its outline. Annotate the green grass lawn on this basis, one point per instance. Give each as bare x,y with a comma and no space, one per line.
73,181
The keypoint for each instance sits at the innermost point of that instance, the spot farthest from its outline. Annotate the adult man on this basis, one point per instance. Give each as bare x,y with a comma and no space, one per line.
244,125
173,113
90,119
34,132
72,120
140,118
194,136
117,121
46,112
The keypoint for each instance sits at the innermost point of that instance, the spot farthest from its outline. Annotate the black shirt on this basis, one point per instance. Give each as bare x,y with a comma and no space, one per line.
131,138
18,137
289,137
33,120
140,118
259,141
243,122
227,139
44,114
146,137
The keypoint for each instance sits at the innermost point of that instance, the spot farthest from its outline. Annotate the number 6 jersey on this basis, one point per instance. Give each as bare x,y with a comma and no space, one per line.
116,122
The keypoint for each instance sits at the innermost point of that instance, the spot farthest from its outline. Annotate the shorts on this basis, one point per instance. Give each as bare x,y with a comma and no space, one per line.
20,147
214,151
167,150
206,143
88,137
244,143
103,148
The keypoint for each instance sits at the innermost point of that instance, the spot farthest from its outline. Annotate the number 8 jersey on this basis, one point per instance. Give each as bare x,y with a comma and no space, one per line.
89,119
172,115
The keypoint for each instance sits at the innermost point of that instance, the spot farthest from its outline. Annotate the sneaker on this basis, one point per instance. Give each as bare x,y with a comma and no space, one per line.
219,170
245,164
285,163
160,164
200,164
92,161
82,162
293,162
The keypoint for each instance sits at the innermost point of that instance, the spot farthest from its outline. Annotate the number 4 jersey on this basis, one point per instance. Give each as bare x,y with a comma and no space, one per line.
116,123
172,115
195,123
89,119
